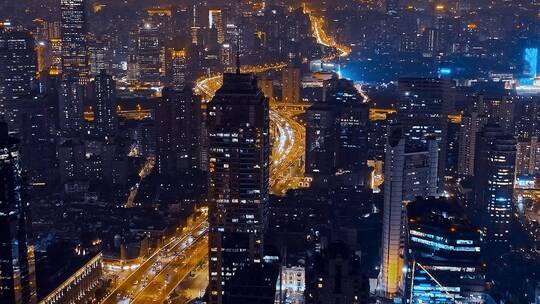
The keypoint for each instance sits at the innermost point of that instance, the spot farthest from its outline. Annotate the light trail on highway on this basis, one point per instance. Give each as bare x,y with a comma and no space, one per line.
207,86
177,269
319,33
128,288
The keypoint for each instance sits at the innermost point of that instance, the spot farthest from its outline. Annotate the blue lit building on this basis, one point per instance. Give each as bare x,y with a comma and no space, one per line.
444,254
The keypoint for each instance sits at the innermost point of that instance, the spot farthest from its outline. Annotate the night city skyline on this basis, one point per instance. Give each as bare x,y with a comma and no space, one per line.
269,151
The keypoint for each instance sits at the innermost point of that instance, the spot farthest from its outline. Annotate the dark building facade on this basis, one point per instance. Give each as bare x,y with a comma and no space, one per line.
17,263
238,177
18,67
337,136
178,118
335,278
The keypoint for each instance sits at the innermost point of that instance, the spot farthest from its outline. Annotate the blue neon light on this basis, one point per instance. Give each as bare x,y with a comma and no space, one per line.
445,71
531,59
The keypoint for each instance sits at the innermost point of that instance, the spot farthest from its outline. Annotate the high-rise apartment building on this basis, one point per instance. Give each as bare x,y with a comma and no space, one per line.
104,88
409,172
238,178
17,262
528,157
71,111
471,124
498,106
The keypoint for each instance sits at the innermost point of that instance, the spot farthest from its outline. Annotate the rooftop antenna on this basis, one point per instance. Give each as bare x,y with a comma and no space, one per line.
238,53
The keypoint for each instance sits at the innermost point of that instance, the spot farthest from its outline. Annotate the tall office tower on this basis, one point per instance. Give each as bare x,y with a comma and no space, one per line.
337,136
178,122
494,178
71,112
178,68
215,21
17,263
18,67
444,258
238,177
104,93
471,124
149,50
528,157
409,172
291,85
73,33
423,111
53,49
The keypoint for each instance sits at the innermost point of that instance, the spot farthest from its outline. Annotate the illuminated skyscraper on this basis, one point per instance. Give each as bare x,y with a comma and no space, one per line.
409,172
17,263
215,20
239,149
178,68
104,88
73,33
149,51
18,67
494,178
